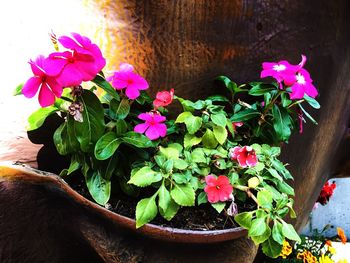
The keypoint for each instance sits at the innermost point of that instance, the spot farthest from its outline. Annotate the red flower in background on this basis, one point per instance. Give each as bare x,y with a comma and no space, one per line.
244,155
163,98
218,189
326,193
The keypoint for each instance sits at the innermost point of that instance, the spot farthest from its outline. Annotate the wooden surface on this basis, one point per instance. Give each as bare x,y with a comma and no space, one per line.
185,44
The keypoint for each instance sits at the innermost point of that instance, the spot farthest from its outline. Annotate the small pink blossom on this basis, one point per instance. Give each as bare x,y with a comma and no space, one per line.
218,189
244,155
47,85
126,79
237,124
153,125
281,70
163,98
302,85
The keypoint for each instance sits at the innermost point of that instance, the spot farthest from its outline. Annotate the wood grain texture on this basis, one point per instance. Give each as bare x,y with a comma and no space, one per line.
185,44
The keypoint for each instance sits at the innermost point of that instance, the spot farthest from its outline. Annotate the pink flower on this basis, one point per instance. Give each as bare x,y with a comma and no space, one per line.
163,98
82,63
48,85
281,70
302,85
244,155
153,125
125,78
237,124
218,189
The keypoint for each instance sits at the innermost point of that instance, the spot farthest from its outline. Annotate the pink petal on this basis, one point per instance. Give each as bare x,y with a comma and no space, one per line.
251,160
69,43
210,180
70,76
30,88
56,62
302,62
125,67
241,158
212,194
267,73
225,192
152,133
141,128
158,118
310,90
137,82
234,152
223,180
37,66
54,86
46,97
120,80
161,128
145,117
132,93
297,91
268,65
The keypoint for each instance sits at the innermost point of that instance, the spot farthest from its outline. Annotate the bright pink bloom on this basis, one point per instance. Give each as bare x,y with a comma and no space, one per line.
83,45
153,125
302,85
281,70
48,86
218,189
163,98
244,155
126,79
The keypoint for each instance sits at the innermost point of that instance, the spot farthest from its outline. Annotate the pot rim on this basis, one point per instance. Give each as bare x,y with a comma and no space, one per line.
15,171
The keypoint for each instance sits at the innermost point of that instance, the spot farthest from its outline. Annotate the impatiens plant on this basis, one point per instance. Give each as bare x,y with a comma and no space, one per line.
217,152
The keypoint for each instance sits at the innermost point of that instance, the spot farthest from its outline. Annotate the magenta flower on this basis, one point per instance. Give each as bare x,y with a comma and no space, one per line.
47,85
126,79
83,45
302,85
163,98
218,189
244,155
280,71
153,125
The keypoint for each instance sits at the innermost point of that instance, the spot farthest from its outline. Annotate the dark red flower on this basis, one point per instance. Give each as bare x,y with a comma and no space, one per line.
326,193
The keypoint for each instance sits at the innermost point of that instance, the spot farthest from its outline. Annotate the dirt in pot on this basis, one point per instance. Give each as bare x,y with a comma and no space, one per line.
203,217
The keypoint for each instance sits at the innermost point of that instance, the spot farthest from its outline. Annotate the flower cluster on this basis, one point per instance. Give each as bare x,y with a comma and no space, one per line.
218,152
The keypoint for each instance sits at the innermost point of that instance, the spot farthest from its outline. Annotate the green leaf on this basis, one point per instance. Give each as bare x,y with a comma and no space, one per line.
110,167
219,206
209,140
180,164
163,197
258,227
168,166
263,237
230,85
144,177
289,232
281,122
245,115
198,156
183,117
18,90
277,233
202,198
171,211
183,194
37,118
308,115
244,219
271,248
218,98
275,174
285,188
106,146
260,89
121,127
146,210
193,124
102,83
99,188
218,119
137,139
64,139
92,128
120,109
75,164
220,134
191,140
278,165
313,103
265,199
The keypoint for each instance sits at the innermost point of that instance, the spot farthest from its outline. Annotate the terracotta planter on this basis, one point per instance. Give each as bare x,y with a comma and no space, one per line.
99,230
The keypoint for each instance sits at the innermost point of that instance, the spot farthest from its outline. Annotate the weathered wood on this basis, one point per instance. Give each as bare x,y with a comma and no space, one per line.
185,44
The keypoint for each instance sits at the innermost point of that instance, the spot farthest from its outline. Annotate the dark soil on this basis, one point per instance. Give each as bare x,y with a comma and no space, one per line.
203,217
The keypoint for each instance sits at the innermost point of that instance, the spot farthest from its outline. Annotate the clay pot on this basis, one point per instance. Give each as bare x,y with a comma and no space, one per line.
37,202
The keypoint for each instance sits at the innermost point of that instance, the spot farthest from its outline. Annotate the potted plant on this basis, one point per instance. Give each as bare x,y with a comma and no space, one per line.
217,154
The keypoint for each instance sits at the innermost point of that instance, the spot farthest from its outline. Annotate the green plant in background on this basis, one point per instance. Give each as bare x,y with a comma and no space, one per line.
218,150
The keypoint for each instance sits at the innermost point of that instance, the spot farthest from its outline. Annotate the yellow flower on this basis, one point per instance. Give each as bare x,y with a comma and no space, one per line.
286,249
332,250
325,259
307,257
343,261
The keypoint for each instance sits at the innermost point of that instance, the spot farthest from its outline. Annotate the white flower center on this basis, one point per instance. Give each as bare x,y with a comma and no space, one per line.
300,79
279,67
